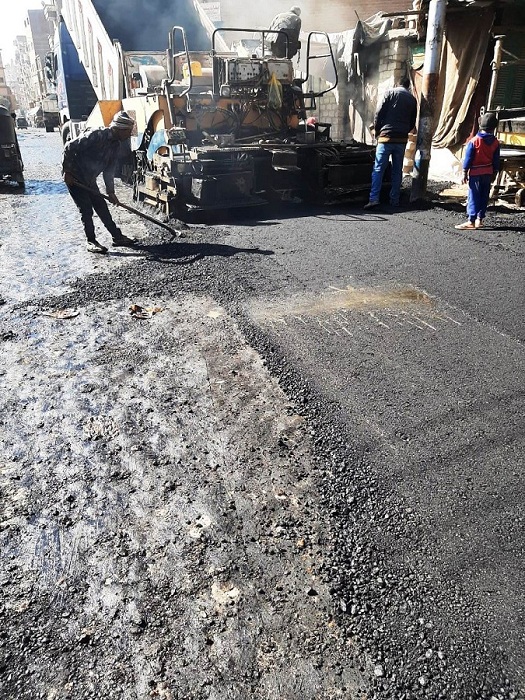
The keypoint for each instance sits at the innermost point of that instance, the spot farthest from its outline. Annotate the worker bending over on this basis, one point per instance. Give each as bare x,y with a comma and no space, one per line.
85,158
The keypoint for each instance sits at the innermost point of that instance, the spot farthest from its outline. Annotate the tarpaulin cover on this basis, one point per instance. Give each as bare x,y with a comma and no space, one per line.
349,44
348,48
467,37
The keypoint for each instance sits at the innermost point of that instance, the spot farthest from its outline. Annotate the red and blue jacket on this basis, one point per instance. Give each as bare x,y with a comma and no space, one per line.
482,154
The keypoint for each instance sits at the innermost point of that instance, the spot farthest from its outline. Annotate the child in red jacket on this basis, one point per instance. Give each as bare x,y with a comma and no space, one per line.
480,166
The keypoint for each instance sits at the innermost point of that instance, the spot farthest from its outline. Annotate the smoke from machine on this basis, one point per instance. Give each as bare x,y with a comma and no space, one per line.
150,28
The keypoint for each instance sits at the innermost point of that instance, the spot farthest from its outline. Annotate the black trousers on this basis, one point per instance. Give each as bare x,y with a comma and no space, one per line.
87,203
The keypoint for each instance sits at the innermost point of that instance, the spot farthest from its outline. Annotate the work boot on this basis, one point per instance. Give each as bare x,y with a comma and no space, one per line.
94,246
119,239
371,204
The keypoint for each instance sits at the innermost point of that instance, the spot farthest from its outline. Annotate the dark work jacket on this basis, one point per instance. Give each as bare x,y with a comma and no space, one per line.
92,153
396,116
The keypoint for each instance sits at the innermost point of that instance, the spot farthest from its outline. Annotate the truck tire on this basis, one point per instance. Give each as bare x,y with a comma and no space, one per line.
49,127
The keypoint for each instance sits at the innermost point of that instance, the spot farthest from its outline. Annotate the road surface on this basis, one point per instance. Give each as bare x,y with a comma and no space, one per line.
298,474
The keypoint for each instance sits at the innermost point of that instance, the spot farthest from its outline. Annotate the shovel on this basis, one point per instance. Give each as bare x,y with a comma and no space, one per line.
173,232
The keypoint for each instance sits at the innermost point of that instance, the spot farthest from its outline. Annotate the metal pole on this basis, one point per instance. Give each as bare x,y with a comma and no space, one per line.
427,108
496,65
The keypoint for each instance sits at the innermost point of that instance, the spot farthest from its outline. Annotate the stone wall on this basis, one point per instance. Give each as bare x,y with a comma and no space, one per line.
394,59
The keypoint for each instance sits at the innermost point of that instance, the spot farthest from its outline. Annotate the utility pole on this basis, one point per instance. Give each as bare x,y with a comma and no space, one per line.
496,65
427,108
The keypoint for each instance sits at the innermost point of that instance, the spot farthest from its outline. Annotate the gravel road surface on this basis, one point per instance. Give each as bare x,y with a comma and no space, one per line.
280,456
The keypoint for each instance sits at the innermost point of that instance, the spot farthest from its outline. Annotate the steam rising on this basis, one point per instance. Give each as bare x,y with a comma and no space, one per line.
145,25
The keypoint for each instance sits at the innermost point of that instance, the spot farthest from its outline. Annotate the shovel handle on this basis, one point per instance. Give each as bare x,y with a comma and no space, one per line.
127,208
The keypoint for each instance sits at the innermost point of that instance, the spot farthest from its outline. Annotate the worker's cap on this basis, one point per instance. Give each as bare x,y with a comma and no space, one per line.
488,121
122,120
296,10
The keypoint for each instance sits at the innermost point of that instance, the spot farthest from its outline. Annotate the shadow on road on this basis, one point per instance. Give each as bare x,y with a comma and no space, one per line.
11,188
46,187
38,187
182,253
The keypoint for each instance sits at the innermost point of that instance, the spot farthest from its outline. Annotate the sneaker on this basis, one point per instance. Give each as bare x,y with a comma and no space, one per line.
478,223
371,204
465,226
96,247
122,240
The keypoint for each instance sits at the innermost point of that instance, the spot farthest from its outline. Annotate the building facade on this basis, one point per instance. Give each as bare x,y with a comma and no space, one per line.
39,31
7,98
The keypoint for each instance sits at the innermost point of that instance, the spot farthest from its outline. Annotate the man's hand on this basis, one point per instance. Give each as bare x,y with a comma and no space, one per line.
464,179
69,179
113,198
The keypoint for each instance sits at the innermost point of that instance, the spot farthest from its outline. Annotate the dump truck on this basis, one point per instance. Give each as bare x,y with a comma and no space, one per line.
45,115
50,113
75,94
216,129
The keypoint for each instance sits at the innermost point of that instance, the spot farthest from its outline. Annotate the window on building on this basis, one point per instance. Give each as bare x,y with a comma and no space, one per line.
111,81
101,71
82,28
94,76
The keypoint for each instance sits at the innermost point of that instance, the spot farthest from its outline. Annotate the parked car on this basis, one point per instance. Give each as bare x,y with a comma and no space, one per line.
21,123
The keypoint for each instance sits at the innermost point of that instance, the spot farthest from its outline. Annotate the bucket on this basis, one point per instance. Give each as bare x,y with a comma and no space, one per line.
196,69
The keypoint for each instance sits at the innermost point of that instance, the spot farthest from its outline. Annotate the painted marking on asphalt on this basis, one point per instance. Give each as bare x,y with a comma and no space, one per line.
411,322
377,320
450,319
342,326
425,323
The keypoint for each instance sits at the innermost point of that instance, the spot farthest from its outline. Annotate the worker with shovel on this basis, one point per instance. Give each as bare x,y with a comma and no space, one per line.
85,158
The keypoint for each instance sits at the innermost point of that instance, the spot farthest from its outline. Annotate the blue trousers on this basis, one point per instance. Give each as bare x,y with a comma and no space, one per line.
478,196
383,153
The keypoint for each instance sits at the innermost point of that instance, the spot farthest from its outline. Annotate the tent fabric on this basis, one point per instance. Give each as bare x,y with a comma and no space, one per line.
350,43
466,41
357,56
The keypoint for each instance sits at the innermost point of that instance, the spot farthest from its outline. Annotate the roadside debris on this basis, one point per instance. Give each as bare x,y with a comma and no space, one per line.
61,314
140,312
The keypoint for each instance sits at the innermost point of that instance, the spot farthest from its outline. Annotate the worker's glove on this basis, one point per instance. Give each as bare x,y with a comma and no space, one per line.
464,179
113,198
69,179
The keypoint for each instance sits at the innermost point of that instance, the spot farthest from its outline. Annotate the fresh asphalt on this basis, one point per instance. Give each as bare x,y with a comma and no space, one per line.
400,340
409,338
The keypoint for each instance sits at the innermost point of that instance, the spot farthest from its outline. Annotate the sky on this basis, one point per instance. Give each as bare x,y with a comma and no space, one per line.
13,13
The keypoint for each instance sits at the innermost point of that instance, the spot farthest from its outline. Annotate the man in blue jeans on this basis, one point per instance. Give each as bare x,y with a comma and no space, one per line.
394,120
